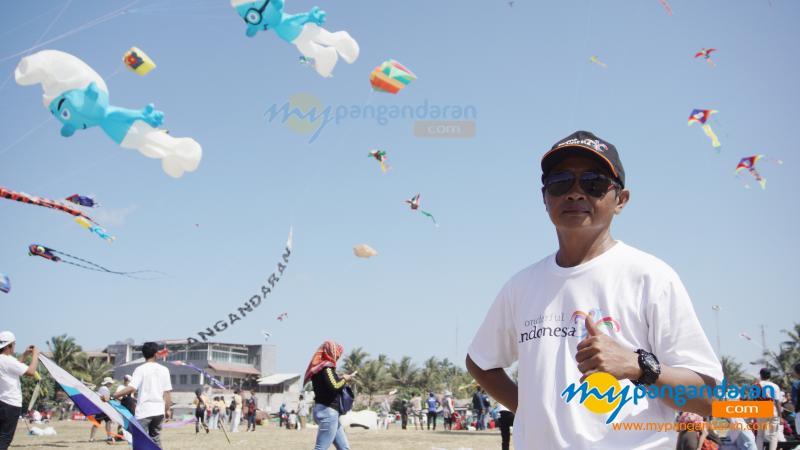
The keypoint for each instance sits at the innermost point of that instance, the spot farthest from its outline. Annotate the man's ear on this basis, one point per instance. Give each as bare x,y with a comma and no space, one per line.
623,198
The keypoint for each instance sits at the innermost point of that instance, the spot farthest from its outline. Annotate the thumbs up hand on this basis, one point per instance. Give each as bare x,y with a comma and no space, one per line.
598,352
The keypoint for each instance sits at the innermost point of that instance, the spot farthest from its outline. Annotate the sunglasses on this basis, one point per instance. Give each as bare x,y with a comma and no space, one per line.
593,183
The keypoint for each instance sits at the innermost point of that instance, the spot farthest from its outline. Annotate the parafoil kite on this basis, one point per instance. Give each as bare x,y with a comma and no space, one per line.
5,283
137,61
380,156
414,204
364,251
303,30
94,228
701,116
78,97
597,61
391,77
706,53
83,200
57,256
748,164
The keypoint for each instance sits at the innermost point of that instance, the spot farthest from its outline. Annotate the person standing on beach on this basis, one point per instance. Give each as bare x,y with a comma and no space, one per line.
11,369
595,311
236,414
153,389
327,385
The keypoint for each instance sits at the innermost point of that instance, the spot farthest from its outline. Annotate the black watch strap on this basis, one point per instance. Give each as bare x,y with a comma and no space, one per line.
651,368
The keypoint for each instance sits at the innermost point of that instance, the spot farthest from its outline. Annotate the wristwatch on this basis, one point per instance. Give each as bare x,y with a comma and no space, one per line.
650,366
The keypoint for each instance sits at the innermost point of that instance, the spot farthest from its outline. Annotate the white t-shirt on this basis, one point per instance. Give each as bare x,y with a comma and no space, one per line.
10,389
150,380
537,318
778,394
104,392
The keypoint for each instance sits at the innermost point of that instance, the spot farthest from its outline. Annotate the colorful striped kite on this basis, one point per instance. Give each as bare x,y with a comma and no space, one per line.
90,404
701,116
748,164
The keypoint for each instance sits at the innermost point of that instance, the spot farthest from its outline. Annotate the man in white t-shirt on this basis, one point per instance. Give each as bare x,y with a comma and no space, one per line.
769,428
596,306
152,386
11,369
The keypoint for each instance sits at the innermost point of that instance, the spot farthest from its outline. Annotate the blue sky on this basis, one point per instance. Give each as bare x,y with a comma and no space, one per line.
525,70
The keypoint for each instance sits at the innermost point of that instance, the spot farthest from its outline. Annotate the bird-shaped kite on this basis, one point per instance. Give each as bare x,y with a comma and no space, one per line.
597,61
78,97
414,204
706,53
701,116
380,156
748,164
666,6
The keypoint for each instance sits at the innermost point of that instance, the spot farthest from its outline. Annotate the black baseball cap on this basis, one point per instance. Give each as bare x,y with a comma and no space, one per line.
584,143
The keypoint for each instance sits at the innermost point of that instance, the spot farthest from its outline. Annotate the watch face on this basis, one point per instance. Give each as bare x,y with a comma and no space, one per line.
650,362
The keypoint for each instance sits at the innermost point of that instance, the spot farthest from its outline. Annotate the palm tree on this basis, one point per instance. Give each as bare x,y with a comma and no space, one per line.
64,350
733,373
430,377
355,361
781,364
373,378
403,375
91,370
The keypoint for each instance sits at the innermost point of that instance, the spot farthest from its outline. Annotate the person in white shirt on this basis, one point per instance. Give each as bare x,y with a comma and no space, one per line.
769,428
105,394
596,306
302,411
236,414
11,369
152,386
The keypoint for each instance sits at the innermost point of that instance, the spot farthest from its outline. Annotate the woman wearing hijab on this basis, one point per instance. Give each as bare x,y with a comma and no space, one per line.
327,383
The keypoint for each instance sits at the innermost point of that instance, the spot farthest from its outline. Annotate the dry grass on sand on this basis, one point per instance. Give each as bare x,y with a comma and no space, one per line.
76,435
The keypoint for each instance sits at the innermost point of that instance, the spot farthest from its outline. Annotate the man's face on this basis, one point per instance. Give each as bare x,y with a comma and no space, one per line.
576,210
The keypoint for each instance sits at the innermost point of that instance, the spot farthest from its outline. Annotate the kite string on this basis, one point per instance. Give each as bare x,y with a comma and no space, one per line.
580,71
41,36
104,18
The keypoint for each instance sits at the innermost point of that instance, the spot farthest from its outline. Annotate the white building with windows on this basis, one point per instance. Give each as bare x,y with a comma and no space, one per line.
246,367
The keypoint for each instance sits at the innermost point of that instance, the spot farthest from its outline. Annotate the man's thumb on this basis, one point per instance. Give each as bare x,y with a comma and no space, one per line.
591,328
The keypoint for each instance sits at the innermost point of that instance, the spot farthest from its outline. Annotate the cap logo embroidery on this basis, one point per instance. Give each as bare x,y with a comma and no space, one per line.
593,143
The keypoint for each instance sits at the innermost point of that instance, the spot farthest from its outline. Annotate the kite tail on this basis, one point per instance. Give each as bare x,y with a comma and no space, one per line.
710,133
429,215
88,265
384,167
